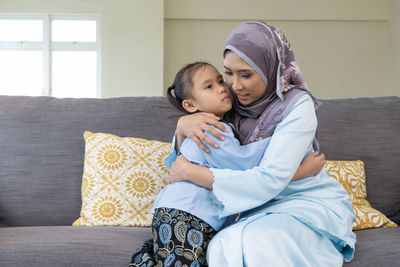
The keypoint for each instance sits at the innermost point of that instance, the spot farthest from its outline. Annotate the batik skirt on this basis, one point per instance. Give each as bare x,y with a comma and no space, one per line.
179,239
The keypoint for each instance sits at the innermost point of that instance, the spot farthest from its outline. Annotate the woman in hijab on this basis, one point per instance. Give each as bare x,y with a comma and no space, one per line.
278,223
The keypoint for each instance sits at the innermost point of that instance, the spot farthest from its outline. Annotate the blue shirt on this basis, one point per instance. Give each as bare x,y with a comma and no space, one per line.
197,200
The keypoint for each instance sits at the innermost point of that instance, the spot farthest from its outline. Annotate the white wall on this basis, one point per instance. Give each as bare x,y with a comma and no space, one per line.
131,40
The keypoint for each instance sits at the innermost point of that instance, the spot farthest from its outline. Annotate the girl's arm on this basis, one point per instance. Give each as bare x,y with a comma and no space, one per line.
237,191
311,165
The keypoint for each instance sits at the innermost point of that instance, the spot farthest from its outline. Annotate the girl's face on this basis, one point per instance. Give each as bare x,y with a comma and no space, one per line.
243,79
209,93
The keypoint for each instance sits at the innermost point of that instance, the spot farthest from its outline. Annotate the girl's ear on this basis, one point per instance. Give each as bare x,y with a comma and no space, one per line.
189,106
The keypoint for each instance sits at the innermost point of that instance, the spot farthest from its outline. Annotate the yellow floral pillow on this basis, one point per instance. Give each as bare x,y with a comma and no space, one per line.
121,179
351,175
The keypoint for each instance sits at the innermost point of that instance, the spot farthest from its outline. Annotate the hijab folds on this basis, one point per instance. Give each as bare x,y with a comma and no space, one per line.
266,49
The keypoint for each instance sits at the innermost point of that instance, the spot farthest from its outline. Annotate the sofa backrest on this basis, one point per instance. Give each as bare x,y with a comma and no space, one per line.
367,129
42,147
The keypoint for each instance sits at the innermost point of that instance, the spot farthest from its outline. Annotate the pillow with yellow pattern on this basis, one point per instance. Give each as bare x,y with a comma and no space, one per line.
121,179
351,175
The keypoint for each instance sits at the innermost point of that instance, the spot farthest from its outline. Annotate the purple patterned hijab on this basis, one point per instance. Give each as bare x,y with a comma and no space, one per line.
266,49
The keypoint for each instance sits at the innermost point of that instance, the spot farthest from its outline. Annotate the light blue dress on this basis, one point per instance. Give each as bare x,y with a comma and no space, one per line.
303,223
197,200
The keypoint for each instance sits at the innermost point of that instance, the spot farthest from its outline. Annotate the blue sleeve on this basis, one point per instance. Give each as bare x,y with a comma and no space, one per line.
171,157
229,154
236,191
192,152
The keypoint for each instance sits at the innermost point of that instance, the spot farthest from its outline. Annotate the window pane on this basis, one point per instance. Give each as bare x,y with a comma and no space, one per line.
21,30
74,74
21,73
74,31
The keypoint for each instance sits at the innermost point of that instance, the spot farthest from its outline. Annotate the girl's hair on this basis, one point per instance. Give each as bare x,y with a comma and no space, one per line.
183,83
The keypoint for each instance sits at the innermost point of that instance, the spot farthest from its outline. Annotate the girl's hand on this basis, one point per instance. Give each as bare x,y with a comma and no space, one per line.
311,166
313,163
177,171
194,125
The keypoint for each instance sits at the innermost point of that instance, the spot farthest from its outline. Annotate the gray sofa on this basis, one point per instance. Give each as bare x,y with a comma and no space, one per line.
41,163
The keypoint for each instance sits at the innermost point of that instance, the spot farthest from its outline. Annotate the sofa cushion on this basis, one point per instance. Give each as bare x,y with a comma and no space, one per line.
351,175
42,149
366,129
121,179
70,246
376,248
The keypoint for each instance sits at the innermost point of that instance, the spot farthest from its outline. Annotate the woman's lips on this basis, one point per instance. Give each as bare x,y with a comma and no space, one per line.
241,96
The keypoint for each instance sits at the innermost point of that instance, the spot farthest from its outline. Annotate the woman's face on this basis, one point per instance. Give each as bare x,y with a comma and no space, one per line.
243,79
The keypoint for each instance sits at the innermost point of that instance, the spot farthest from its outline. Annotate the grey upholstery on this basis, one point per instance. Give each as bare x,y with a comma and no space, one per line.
377,248
42,150
367,129
69,246
41,164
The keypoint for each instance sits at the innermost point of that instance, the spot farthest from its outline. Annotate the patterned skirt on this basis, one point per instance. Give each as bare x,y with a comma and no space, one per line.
179,239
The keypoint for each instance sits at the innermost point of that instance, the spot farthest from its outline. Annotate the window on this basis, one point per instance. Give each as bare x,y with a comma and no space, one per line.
49,55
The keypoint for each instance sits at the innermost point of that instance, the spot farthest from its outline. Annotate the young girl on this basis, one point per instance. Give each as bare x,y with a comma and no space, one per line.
185,216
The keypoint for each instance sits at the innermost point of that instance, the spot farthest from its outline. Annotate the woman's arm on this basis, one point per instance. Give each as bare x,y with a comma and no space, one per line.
238,191
194,125
183,170
232,155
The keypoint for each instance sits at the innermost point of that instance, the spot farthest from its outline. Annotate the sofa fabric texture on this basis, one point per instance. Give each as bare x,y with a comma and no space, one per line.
41,165
112,246
42,150
69,246
366,129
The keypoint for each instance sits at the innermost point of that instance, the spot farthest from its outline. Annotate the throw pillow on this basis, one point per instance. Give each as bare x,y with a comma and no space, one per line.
121,179
351,175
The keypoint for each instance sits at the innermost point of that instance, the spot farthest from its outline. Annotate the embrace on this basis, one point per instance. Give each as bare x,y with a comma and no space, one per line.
248,184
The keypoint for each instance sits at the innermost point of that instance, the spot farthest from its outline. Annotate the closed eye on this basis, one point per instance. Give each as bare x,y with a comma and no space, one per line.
229,73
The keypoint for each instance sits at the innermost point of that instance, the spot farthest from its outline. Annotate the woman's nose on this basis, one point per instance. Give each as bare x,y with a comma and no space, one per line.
236,85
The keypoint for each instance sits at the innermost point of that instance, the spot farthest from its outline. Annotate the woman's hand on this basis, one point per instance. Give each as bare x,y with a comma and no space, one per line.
183,170
177,171
194,125
311,165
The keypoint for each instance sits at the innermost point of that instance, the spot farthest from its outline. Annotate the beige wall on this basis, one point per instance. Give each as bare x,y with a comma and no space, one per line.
341,46
344,48
131,39
394,46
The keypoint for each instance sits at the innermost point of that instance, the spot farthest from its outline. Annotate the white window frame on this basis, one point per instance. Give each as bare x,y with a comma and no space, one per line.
47,46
